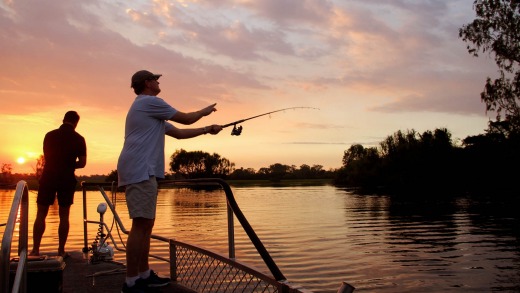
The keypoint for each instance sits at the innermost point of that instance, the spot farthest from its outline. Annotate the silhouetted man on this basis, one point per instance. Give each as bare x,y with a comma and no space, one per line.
64,151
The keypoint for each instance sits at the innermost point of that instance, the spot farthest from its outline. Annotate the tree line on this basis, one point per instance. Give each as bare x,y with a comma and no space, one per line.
404,163
199,164
410,162
191,165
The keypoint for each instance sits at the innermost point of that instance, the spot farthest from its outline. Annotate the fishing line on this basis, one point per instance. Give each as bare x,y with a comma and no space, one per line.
237,130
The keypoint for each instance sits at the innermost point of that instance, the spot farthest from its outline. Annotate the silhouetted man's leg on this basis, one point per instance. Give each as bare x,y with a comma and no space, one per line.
39,228
63,229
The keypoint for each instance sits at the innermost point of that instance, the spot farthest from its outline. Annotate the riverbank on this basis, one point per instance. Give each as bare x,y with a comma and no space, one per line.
33,183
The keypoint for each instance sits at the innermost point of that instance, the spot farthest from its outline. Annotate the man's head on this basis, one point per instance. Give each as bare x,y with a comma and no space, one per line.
71,117
140,80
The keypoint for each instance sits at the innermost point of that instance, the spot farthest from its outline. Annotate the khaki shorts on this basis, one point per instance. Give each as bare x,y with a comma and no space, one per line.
141,199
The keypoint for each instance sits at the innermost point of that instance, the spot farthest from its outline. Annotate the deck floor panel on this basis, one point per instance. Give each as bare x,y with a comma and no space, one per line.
81,277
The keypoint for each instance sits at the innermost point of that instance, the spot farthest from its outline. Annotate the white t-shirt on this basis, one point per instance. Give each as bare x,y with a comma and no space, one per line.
143,150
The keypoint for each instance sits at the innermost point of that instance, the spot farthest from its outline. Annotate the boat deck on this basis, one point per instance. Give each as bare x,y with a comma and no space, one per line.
79,276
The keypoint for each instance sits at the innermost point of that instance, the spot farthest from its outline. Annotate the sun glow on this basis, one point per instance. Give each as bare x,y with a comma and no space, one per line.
20,160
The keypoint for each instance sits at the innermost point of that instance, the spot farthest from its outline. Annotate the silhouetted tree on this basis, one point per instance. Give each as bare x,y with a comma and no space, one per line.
278,171
199,164
243,174
492,159
263,173
112,176
6,177
317,171
361,167
496,31
405,162
304,172
40,163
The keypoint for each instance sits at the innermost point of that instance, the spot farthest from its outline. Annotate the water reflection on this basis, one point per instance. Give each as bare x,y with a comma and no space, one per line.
455,245
425,223
195,199
320,236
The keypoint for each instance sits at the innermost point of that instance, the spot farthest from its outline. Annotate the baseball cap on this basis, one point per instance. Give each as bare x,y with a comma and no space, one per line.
143,75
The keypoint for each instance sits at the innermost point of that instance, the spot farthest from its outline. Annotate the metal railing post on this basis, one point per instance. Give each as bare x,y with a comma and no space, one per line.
231,232
20,202
346,288
173,260
85,241
260,248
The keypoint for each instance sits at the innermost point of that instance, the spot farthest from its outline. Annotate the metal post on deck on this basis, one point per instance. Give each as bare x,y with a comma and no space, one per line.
231,232
173,260
277,274
346,288
19,212
85,244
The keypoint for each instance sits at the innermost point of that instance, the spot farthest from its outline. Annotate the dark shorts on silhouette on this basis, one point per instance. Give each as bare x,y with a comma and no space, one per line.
64,191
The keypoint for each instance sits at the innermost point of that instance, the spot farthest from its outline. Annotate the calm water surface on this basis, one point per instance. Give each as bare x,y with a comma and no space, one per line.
321,235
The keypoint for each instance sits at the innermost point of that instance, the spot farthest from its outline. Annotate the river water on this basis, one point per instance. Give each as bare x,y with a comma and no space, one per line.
320,236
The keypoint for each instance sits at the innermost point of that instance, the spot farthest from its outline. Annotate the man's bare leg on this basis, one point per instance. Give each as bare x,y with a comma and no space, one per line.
63,229
39,228
138,246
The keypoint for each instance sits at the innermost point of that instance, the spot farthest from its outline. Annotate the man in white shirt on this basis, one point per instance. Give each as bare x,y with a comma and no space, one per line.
141,162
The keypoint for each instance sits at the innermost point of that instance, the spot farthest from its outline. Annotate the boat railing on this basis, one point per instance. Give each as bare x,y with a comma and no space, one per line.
201,269
18,214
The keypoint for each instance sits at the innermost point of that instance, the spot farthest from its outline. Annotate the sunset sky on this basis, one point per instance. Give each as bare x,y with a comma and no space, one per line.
371,67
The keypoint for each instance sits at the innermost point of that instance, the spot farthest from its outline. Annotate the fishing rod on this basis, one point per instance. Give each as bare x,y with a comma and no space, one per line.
237,130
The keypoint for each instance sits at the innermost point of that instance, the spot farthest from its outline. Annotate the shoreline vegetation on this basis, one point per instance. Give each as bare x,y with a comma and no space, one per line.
406,164
33,183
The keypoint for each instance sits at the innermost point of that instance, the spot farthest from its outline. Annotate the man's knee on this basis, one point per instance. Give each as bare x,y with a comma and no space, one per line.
42,211
143,224
64,211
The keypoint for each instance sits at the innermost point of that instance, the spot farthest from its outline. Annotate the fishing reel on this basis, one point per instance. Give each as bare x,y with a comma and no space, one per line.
236,130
